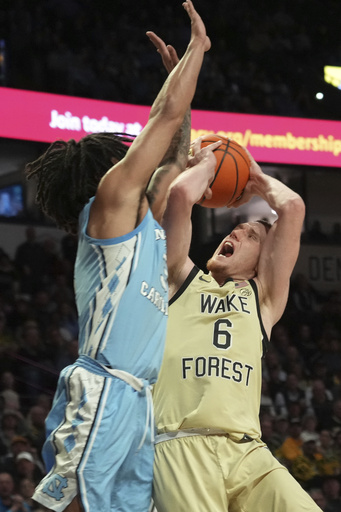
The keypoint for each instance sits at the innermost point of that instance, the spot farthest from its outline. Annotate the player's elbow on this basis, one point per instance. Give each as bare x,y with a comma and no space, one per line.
180,195
294,207
168,109
297,206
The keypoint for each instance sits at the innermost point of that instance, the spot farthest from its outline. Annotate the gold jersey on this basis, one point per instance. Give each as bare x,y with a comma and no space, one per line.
211,371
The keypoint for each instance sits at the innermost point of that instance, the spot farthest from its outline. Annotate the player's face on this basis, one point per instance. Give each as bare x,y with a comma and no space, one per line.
238,254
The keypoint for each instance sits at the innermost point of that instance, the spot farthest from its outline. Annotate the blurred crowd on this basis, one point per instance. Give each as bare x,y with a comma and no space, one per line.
301,394
38,337
265,57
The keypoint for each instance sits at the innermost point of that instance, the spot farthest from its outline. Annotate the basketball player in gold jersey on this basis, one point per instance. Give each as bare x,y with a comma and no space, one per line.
209,453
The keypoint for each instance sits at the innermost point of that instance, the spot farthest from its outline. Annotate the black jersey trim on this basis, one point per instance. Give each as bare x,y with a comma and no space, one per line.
185,284
265,341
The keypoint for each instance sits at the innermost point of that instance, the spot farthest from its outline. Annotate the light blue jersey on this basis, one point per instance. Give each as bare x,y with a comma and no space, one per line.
100,429
122,297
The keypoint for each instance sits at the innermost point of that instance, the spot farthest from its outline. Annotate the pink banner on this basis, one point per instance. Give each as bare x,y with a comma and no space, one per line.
283,140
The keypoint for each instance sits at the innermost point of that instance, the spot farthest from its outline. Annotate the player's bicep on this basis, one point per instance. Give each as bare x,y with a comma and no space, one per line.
118,206
178,231
148,150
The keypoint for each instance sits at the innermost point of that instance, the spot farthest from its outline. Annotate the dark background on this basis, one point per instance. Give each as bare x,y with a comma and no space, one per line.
267,57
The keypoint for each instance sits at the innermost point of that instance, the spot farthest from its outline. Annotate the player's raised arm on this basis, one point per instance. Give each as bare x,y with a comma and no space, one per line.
281,247
121,202
185,191
175,159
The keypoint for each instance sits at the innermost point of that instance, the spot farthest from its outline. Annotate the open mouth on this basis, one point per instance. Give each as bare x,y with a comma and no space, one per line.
227,249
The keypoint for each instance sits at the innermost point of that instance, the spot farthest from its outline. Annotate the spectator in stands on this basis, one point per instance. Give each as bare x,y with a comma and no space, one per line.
21,311
67,319
32,358
331,463
307,467
9,391
305,341
18,444
9,500
309,423
330,354
44,308
334,421
267,405
61,289
280,427
8,276
320,401
26,489
291,448
36,426
304,301
280,339
296,410
67,62
319,371
12,424
26,467
317,494
331,314
331,489
268,435
7,342
337,444
29,260
290,392
69,355
273,371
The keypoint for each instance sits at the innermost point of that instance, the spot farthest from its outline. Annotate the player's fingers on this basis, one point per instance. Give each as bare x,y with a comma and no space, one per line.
248,153
156,40
168,59
189,8
196,145
173,55
213,146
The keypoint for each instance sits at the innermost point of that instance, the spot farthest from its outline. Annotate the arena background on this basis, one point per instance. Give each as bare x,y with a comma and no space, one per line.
71,67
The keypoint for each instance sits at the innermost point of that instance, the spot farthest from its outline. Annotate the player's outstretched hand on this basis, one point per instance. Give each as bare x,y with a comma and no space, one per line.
197,153
197,25
203,162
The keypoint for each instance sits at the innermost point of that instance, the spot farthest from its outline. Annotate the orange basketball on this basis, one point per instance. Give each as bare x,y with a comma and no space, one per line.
231,174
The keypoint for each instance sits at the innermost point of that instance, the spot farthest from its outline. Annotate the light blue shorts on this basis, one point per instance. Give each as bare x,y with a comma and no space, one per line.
93,446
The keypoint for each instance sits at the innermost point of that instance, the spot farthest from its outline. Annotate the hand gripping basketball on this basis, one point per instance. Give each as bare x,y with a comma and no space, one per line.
231,174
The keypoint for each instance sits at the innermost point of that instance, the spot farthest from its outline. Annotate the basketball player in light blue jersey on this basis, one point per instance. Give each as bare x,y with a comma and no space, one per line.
99,448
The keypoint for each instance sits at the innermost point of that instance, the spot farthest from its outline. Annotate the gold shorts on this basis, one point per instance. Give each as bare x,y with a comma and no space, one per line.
214,473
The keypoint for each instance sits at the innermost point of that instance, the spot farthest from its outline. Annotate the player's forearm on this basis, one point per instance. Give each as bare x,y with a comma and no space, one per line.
178,226
177,152
173,163
278,196
178,90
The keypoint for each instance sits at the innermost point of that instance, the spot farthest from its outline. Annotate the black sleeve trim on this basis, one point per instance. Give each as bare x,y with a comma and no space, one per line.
185,284
266,343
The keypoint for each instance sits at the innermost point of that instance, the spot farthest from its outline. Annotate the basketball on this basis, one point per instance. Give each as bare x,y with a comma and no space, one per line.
231,174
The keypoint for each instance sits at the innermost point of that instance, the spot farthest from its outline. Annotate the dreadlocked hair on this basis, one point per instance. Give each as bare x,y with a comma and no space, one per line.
68,174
